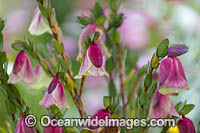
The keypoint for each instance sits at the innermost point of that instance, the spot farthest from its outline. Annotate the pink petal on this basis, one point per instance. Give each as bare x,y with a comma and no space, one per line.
165,68
59,96
86,32
19,62
186,125
53,84
95,55
51,129
176,77
37,70
84,66
22,128
47,100
27,73
14,78
161,106
38,25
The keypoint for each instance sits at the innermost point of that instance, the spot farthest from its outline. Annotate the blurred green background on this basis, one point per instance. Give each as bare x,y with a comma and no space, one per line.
148,22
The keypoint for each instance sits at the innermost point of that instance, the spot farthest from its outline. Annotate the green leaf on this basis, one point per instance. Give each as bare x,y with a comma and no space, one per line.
114,4
187,108
97,10
18,45
178,105
44,11
53,17
2,24
84,20
63,64
86,131
148,80
143,70
110,64
162,49
1,41
58,47
112,90
95,36
116,36
100,20
116,20
106,101
2,58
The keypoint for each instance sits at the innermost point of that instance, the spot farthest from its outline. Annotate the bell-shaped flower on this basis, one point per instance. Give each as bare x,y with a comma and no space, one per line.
38,26
86,32
22,128
99,114
177,50
185,125
55,95
22,69
51,129
172,76
93,62
161,106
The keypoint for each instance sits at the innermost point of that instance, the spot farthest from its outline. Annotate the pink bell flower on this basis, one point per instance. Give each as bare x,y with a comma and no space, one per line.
22,128
186,125
161,106
55,95
101,114
86,32
93,62
172,76
22,70
51,129
38,25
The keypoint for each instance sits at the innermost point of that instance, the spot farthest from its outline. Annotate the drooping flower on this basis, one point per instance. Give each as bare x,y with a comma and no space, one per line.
161,106
22,128
55,95
38,25
93,62
86,32
51,129
172,76
185,125
100,114
22,69
176,50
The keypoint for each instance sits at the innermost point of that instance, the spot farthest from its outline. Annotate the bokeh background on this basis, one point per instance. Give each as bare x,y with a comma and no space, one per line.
146,23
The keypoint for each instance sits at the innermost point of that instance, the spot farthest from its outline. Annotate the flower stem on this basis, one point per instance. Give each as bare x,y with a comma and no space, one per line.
57,36
122,91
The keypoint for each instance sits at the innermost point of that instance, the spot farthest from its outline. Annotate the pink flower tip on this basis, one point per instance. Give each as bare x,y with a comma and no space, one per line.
22,70
55,95
22,128
172,76
186,125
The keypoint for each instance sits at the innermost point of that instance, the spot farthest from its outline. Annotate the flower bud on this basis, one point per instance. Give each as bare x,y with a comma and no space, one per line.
185,125
55,95
177,50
